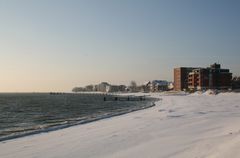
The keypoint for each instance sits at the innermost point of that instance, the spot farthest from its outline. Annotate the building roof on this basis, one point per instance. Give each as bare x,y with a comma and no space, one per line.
160,82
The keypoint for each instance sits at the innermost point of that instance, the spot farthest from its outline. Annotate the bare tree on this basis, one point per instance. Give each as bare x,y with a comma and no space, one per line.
78,89
89,88
133,86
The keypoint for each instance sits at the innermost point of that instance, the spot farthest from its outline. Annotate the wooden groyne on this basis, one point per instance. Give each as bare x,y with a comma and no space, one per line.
123,98
108,96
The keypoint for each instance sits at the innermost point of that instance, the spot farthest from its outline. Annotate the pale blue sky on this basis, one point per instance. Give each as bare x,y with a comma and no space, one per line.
54,45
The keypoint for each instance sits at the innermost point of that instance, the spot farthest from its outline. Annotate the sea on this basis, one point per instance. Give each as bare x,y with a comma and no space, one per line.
24,114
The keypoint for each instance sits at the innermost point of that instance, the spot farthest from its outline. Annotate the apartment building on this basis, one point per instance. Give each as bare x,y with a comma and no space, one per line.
181,78
213,77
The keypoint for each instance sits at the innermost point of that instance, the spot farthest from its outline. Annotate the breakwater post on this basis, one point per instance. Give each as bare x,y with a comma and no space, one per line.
123,98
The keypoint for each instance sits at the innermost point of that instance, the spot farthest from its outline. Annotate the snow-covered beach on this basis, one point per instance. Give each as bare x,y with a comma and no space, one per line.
178,126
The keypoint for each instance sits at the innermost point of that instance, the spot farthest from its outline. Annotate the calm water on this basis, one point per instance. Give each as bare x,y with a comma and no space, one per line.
23,114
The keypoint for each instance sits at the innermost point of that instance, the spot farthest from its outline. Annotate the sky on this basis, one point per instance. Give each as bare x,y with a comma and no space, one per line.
59,44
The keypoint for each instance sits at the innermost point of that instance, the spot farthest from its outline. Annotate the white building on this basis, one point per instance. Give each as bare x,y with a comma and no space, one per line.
157,85
102,87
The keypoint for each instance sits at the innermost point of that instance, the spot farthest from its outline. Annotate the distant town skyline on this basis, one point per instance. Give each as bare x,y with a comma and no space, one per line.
57,45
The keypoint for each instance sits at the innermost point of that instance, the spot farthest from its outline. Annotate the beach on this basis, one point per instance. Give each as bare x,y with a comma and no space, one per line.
178,126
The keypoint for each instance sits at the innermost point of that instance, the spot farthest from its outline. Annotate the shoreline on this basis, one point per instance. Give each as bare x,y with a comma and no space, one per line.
55,128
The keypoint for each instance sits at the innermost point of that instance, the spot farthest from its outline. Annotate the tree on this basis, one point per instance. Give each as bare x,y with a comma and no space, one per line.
78,89
89,88
133,86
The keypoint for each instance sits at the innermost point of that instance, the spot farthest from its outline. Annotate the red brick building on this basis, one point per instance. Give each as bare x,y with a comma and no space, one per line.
198,79
219,78
181,77
212,77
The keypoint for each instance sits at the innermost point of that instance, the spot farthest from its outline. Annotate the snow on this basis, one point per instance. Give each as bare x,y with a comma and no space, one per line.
179,126
208,92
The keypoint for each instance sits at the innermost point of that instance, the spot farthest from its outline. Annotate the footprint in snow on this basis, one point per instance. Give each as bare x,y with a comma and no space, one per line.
176,116
161,110
137,117
115,135
171,111
201,113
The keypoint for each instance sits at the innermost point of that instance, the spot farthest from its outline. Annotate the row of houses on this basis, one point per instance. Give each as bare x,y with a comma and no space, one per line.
150,86
158,85
197,78
185,78
102,87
